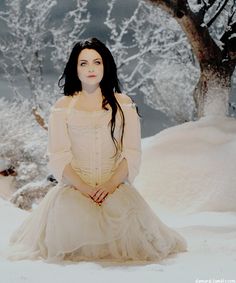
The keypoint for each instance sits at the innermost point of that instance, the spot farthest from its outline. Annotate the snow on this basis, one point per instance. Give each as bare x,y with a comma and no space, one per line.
191,167
216,100
188,178
233,35
7,186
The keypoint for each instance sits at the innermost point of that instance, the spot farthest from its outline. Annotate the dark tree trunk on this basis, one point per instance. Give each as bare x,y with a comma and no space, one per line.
211,93
212,90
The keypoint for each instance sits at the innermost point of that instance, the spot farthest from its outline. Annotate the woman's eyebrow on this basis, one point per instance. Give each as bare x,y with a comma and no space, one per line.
84,60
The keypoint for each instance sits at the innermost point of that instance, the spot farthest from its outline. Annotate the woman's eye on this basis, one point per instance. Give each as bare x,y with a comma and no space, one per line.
84,63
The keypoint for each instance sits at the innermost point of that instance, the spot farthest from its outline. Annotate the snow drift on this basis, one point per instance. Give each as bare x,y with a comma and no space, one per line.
191,167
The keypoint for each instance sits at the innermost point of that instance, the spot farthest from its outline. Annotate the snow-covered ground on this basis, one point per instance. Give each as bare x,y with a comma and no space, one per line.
191,167
188,177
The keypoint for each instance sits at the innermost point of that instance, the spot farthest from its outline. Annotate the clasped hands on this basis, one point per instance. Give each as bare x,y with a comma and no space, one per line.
99,193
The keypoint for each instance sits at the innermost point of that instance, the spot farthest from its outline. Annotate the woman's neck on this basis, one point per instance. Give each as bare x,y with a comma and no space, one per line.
91,91
91,95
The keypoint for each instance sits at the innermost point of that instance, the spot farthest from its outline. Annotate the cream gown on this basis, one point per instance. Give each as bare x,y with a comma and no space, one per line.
69,226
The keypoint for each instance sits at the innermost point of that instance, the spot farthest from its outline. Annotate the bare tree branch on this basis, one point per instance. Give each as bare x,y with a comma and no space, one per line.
217,13
39,118
205,7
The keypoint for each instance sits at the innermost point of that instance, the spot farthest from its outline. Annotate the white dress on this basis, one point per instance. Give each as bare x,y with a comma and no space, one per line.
69,226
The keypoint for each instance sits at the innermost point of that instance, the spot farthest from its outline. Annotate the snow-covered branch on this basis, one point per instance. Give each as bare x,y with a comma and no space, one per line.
23,142
32,37
65,35
141,44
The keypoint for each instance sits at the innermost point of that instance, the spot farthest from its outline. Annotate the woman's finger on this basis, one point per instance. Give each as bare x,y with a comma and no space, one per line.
93,195
98,195
102,197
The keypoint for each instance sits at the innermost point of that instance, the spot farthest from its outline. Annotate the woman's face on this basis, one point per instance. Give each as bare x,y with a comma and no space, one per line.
90,67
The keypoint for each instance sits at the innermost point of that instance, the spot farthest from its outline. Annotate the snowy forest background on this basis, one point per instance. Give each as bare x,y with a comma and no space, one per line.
187,174
155,62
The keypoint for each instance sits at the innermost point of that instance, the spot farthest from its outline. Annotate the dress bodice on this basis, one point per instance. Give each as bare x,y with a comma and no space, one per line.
91,144
83,139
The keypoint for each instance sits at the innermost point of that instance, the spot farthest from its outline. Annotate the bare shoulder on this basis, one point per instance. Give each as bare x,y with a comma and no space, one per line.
123,98
62,102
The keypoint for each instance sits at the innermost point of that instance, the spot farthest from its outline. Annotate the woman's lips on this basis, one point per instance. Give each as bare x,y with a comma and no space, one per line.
92,76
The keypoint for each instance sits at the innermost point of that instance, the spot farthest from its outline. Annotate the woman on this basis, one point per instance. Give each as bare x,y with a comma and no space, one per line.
94,149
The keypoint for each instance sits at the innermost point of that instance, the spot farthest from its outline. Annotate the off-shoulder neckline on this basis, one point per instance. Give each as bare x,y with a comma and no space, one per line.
65,109
132,105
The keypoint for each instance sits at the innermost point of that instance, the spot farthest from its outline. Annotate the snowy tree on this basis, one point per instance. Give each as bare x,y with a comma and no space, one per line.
71,29
215,51
23,141
23,51
150,57
32,37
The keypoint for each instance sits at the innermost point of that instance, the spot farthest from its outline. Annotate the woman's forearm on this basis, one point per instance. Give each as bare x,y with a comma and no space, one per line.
118,177
72,177
121,173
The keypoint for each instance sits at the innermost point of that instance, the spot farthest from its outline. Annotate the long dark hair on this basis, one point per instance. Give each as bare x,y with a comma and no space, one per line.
70,83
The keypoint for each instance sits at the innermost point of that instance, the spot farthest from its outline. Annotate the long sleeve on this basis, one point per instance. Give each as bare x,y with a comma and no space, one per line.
132,140
59,146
